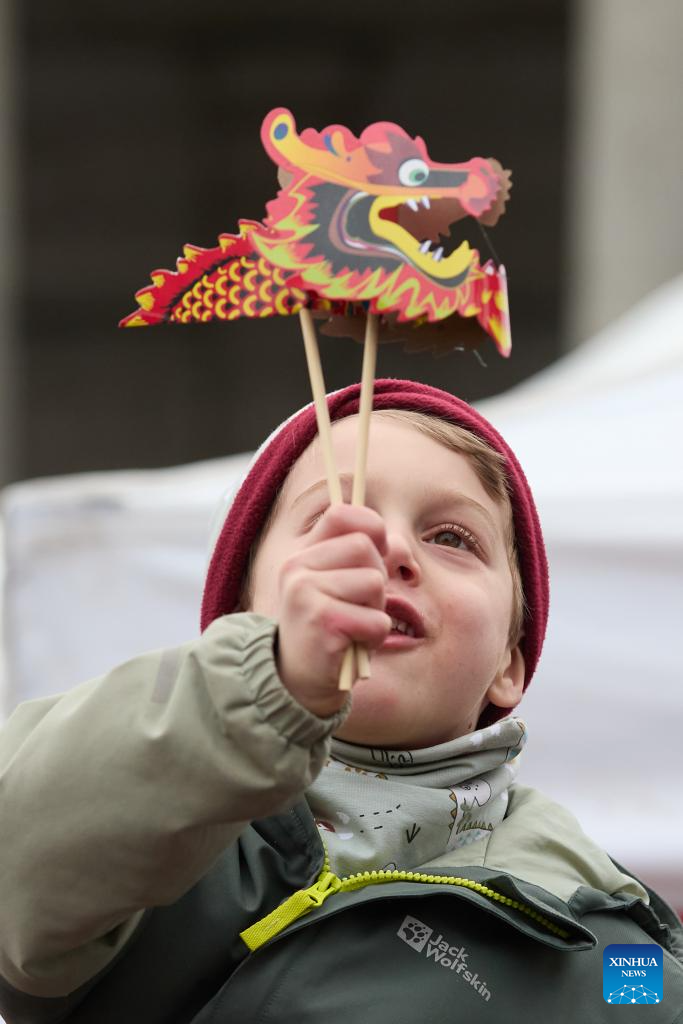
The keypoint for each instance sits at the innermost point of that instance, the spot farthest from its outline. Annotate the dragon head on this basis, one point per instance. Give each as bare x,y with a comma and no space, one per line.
367,219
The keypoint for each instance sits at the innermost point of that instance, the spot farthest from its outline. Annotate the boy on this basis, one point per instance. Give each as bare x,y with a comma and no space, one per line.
163,856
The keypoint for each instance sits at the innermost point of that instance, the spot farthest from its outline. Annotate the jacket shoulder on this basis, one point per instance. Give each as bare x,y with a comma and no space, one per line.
542,842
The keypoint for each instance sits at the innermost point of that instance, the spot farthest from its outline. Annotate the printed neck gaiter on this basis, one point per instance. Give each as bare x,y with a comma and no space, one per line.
401,809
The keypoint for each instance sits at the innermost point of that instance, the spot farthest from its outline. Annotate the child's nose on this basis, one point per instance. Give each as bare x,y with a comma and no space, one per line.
400,558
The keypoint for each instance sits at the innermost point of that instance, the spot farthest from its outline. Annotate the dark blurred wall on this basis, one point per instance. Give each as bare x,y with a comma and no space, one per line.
139,131
8,248
624,213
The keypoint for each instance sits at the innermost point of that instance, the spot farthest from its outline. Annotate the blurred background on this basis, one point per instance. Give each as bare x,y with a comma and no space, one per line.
128,129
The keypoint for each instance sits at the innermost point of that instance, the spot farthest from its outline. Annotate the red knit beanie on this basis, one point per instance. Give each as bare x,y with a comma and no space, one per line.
274,459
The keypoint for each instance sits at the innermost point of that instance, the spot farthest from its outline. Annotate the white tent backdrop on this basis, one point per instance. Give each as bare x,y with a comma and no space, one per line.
599,435
100,567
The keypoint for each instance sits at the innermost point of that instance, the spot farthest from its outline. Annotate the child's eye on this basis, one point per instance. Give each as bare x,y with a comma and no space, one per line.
310,523
454,535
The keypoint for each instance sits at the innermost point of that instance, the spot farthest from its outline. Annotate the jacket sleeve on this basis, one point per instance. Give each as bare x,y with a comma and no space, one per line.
119,795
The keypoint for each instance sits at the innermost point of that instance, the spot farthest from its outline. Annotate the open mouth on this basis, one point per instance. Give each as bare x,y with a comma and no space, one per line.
419,227
405,619
399,626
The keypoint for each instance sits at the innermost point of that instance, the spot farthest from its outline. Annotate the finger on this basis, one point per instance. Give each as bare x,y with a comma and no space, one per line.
354,624
364,587
342,519
352,550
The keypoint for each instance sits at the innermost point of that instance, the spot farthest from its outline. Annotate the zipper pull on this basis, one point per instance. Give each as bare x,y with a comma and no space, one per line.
298,904
327,885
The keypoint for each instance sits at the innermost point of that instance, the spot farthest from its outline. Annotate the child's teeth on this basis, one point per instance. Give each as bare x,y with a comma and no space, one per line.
402,627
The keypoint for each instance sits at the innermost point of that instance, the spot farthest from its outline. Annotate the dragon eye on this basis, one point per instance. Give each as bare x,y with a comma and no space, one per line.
413,172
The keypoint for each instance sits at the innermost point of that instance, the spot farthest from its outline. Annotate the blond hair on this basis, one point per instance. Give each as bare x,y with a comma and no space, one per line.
489,466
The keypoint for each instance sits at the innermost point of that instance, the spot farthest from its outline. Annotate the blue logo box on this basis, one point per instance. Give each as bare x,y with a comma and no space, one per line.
633,973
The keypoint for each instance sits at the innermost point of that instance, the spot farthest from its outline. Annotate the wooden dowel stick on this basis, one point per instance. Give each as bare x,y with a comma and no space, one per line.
322,415
367,388
349,670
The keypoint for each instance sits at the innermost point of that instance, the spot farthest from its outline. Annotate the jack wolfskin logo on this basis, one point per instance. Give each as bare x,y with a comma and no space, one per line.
418,936
414,932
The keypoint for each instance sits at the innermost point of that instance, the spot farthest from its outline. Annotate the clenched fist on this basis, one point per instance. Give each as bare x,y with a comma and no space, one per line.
331,593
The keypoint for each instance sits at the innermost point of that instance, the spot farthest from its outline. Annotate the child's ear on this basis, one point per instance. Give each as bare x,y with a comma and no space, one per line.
506,689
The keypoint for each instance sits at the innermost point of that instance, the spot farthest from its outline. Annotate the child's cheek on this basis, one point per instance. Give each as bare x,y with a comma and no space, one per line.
473,610
478,621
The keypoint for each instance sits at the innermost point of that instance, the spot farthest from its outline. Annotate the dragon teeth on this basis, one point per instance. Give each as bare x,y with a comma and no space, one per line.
425,202
425,247
412,203
438,253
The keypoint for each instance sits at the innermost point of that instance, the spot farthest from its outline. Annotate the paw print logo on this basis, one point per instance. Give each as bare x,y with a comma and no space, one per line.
414,933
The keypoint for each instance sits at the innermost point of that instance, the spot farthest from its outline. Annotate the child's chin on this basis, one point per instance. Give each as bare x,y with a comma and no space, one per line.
379,715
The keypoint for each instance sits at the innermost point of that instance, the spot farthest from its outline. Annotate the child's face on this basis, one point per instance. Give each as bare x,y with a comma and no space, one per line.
446,556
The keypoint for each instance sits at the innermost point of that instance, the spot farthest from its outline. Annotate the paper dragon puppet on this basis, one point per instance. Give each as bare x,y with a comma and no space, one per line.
357,220
359,233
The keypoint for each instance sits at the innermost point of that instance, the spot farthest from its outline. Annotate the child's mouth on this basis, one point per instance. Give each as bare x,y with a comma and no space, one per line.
401,627
402,637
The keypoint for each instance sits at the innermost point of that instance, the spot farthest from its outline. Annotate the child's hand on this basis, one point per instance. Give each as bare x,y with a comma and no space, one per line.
331,593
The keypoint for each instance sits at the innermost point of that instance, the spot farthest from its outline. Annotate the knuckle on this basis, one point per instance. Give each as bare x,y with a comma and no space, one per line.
378,628
327,618
370,518
290,565
373,517
362,546
377,584
337,516
290,571
296,584
355,519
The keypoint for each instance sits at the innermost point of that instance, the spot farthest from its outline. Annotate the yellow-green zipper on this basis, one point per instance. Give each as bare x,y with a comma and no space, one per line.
304,900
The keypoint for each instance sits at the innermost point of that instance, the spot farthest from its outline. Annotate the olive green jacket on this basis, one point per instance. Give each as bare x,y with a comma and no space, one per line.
159,863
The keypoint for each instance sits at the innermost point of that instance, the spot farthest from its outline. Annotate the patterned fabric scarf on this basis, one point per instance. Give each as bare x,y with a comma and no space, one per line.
401,809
